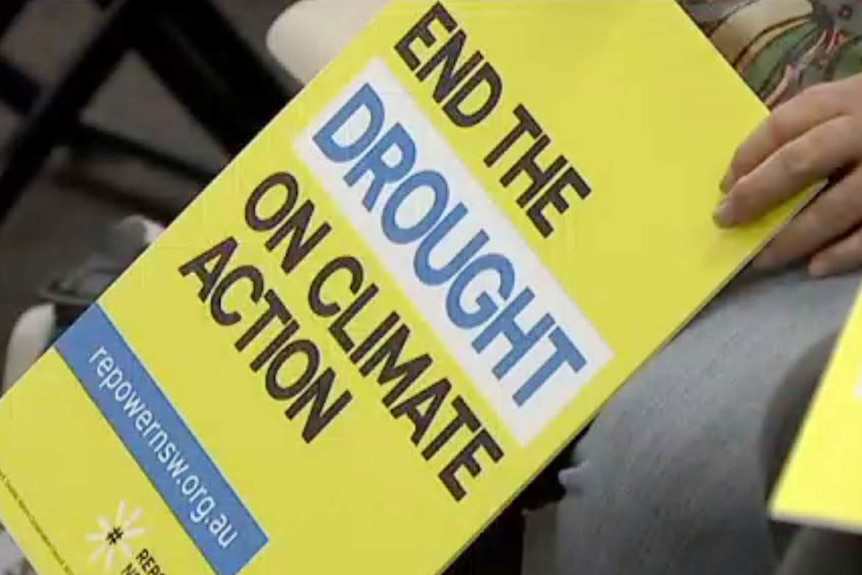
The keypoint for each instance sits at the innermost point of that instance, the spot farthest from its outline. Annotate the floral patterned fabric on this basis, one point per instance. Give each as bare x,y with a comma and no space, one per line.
783,46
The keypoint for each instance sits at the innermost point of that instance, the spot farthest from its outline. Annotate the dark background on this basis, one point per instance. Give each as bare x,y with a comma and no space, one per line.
57,224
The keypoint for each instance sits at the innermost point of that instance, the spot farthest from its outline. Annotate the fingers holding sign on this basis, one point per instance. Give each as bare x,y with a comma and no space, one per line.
813,137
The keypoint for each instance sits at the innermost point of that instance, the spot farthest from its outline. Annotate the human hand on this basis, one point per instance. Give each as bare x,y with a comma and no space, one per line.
812,137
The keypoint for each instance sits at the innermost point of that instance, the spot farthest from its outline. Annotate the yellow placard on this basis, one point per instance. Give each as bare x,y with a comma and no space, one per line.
819,485
403,298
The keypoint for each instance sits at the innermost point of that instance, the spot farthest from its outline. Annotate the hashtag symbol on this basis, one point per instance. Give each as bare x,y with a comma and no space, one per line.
114,536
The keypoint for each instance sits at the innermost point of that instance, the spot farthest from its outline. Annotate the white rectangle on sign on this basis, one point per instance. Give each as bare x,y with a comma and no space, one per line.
494,305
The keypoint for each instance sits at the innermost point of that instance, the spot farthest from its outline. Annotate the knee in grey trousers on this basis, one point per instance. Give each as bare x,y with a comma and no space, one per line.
669,479
803,551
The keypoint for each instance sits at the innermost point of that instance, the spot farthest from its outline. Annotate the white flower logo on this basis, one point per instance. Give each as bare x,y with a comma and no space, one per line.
113,536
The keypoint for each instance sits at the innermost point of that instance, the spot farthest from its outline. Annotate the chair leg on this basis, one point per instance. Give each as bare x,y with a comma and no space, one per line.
86,137
9,10
206,65
21,93
17,90
212,35
58,109
200,89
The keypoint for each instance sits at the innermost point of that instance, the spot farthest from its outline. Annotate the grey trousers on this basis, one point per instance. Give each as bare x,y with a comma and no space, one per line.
669,480
804,551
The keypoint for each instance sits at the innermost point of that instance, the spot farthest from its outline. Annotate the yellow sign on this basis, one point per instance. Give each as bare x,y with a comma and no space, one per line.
820,482
407,294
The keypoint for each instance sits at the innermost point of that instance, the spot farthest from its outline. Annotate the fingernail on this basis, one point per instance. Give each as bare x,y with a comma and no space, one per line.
818,268
723,214
727,182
